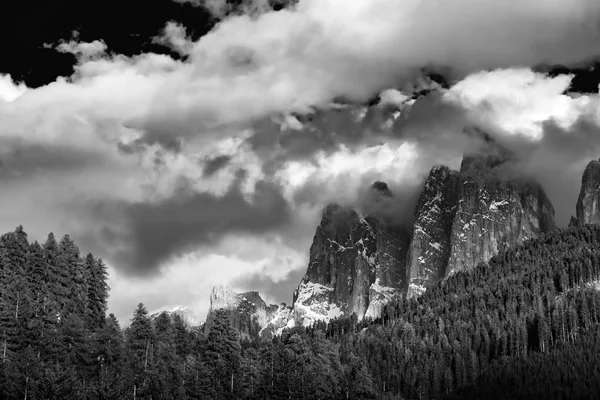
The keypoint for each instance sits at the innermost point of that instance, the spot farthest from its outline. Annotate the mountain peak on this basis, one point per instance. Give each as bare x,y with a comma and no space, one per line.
223,297
248,313
588,203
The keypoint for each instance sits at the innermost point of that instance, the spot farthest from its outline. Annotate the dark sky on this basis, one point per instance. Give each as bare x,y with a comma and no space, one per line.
127,27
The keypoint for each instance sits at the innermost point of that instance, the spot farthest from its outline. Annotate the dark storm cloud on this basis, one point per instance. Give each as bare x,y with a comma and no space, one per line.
153,233
215,164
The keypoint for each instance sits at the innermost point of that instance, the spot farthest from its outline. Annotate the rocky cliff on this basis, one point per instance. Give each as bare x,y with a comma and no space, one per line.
357,262
432,230
465,217
495,210
361,259
248,313
588,203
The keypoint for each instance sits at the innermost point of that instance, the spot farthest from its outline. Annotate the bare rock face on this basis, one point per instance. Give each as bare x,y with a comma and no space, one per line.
494,212
248,313
432,229
588,203
357,262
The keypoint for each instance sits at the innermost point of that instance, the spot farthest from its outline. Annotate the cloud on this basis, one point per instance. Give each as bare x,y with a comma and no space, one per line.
219,9
188,220
290,60
174,36
272,291
84,50
243,262
518,101
10,90
552,134
215,164
137,156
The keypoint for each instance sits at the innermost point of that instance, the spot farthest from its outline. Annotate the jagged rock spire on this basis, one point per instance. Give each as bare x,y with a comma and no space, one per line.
588,203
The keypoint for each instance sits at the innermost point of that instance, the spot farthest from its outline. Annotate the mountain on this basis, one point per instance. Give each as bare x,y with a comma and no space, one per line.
588,203
357,261
187,315
360,262
432,229
495,210
248,313
363,258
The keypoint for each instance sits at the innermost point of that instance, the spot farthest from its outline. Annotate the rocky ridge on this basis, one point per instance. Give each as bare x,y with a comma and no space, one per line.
495,210
357,262
248,313
360,260
432,230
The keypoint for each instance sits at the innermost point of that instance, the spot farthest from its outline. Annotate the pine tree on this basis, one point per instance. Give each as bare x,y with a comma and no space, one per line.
108,350
57,279
14,301
222,356
140,342
37,288
97,295
69,261
167,372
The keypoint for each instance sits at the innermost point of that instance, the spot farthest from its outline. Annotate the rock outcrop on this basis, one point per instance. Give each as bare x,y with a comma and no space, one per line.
495,210
248,313
362,260
432,230
588,203
357,262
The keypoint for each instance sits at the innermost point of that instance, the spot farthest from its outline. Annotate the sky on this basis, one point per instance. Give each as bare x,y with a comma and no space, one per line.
198,147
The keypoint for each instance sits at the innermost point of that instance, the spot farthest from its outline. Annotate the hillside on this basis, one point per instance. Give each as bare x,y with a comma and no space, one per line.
531,303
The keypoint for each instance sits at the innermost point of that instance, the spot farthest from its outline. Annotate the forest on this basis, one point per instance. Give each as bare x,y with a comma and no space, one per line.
523,325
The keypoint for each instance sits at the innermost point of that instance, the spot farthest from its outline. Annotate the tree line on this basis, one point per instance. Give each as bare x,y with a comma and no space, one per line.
523,319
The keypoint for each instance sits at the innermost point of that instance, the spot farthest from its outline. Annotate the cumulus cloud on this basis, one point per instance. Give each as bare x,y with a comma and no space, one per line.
221,8
139,156
319,50
155,232
10,90
84,50
552,134
293,59
174,36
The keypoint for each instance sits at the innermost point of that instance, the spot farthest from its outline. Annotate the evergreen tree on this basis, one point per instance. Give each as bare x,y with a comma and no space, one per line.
58,279
140,343
14,301
97,295
69,261
222,356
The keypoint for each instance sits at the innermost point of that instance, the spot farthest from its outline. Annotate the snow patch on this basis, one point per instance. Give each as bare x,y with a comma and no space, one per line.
313,304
